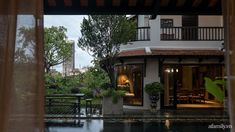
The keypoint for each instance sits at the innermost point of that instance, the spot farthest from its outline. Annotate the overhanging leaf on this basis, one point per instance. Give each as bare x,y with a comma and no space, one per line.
213,88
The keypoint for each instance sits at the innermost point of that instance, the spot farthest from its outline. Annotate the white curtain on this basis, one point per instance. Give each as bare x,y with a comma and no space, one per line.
21,66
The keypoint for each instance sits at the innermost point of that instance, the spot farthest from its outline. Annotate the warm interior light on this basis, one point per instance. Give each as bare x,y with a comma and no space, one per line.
167,70
177,70
122,79
124,67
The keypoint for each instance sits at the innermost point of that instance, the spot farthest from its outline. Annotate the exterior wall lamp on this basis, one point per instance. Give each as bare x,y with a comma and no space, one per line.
172,70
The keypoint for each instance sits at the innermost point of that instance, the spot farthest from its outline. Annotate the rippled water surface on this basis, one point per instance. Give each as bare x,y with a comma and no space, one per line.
138,126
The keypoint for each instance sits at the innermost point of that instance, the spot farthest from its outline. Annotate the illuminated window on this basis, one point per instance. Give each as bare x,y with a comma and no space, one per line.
130,79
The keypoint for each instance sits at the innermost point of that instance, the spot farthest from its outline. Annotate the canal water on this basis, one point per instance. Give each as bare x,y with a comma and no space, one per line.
138,126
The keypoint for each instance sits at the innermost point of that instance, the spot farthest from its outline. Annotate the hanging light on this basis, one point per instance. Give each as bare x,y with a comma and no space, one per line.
177,70
167,70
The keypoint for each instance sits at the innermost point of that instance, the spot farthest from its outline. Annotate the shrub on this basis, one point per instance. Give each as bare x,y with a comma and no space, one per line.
154,88
88,92
115,94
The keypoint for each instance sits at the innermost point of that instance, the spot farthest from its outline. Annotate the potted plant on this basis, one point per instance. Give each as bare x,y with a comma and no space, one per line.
153,90
112,101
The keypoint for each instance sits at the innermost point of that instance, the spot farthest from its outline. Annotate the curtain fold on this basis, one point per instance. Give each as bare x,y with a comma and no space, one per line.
21,66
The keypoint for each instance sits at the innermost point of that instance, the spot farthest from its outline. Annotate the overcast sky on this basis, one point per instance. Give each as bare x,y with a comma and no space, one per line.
72,23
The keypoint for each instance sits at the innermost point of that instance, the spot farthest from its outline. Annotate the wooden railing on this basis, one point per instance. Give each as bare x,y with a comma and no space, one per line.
193,33
142,34
63,105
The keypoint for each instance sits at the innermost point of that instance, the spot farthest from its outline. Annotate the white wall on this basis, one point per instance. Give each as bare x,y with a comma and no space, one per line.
155,41
141,22
152,69
203,21
210,21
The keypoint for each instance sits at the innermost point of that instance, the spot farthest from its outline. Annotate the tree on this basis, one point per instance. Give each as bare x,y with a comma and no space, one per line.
57,48
95,77
25,49
102,36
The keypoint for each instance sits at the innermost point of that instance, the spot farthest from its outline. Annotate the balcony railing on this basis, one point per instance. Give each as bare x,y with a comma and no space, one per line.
193,33
142,34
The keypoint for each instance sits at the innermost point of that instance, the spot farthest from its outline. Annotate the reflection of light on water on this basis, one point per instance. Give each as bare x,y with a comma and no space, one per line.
167,115
167,121
129,120
167,124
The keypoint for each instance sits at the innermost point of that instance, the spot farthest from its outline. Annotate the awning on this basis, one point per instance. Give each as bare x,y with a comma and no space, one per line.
152,7
171,52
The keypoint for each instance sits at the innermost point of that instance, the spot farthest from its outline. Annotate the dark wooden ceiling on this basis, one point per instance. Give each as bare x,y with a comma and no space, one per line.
158,7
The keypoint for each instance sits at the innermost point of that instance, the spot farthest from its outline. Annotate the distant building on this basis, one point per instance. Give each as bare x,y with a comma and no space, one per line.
75,71
83,69
69,64
54,72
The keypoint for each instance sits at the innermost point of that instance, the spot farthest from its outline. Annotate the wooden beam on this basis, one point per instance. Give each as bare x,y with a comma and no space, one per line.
148,3
99,3
148,7
68,2
51,3
116,3
212,3
180,3
164,3
84,3
196,3
132,3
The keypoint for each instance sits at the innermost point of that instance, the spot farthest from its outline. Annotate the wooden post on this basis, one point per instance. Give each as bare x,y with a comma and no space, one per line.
229,24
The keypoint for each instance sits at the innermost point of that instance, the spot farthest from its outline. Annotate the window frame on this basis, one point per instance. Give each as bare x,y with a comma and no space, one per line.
166,23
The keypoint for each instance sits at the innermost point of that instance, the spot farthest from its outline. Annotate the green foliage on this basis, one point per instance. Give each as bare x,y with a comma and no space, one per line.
88,92
56,84
72,81
91,80
57,48
154,88
103,35
115,94
95,77
215,88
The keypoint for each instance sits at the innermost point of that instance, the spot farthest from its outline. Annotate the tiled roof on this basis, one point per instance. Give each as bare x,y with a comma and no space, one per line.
172,52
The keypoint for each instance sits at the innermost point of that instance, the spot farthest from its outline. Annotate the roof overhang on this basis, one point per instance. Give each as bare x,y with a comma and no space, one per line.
151,7
171,53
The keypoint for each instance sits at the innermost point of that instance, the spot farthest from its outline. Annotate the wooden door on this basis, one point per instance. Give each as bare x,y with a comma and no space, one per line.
189,27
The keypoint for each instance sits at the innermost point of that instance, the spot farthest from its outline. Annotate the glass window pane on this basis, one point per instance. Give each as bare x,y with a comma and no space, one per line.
130,79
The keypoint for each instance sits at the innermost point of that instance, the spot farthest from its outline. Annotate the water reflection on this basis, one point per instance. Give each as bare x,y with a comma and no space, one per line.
137,126
86,126
167,124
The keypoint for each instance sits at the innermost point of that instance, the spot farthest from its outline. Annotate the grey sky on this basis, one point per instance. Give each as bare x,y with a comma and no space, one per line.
72,23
